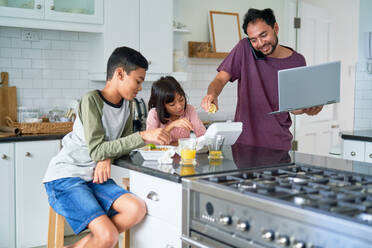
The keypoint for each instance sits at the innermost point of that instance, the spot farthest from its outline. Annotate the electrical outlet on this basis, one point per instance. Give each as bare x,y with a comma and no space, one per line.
30,35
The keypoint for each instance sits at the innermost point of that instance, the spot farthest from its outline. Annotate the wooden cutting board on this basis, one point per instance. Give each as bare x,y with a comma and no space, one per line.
8,99
3,135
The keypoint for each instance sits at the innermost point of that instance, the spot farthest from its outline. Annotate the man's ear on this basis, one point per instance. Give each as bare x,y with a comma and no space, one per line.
276,28
120,73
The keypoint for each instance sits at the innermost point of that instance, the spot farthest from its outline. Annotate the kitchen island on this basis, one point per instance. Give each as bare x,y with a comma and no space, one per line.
161,188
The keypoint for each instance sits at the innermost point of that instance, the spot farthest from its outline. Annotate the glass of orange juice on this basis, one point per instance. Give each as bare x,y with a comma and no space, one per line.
215,149
187,148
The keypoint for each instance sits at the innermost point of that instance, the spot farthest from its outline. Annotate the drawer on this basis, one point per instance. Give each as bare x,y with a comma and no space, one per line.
354,150
163,198
153,232
368,152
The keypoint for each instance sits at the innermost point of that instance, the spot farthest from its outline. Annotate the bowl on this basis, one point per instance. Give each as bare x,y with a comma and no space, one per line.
153,154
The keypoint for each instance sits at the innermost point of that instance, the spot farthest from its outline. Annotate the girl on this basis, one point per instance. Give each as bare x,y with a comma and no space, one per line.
168,109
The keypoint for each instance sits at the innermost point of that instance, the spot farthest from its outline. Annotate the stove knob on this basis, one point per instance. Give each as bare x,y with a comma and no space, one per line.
225,220
209,208
283,240
299,244
268,235
243,226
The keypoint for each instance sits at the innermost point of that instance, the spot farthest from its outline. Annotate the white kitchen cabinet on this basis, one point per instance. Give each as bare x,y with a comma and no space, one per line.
7,226
354,150
163,223
27,206
143,25
53,14
368,152
156,34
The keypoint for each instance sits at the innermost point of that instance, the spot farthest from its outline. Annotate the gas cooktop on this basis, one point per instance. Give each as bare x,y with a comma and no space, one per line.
308,187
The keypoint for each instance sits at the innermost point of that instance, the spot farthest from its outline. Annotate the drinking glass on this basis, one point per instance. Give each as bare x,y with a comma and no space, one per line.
187,147
215,149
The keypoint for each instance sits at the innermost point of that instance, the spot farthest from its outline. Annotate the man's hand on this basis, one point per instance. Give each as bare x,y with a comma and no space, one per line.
102,172
158,135
208,100
181,123
308,111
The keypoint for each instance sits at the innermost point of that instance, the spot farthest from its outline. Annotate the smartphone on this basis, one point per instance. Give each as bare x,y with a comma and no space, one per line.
256,54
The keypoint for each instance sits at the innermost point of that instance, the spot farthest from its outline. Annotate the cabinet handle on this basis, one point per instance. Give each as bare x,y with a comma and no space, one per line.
4,156
28,154
38,6
352,154
52,7
153,196
370,155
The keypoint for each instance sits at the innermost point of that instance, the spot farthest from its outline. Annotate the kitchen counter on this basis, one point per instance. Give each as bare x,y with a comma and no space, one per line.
237,157
361,135
32,137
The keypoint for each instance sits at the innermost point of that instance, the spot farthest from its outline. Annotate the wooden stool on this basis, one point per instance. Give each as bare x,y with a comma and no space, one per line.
56,227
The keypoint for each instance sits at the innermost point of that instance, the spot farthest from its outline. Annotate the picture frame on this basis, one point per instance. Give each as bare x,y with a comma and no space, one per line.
224,30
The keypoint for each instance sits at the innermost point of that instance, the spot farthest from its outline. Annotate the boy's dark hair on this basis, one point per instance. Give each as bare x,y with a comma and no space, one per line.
253,15
164,91
126,58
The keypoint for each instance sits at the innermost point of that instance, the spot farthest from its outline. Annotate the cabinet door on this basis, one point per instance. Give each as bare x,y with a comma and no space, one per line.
156,35
368,152
7,217
353,150
32,159
82,11
22,8
152,232
163,198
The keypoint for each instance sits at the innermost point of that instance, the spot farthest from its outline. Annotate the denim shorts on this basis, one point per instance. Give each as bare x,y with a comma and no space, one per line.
80,202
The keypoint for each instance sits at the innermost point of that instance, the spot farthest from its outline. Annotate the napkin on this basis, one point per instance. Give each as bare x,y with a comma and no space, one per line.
166,158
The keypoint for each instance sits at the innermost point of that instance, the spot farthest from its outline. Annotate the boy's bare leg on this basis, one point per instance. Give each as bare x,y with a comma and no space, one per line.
131,211
103,233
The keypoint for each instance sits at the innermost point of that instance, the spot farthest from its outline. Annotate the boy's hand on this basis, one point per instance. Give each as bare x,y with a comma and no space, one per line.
158,135
181,123
102,172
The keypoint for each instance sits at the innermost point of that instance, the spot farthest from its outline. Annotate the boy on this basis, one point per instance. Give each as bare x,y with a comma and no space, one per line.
78,180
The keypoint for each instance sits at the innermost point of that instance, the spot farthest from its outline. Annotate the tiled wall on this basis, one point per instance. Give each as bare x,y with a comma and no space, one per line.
363,97
53,71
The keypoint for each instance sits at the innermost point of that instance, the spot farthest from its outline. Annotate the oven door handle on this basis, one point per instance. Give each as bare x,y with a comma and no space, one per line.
190,241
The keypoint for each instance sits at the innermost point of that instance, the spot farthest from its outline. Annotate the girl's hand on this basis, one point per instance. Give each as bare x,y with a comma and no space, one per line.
102,172
158,135
181,123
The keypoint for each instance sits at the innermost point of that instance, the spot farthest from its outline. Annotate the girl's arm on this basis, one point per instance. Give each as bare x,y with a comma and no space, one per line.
199,128
152,121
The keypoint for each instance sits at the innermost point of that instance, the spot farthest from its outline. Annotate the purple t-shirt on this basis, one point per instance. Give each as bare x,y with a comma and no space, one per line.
258,95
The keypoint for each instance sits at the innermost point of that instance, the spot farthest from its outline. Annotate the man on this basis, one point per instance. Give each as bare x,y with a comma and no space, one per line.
255,62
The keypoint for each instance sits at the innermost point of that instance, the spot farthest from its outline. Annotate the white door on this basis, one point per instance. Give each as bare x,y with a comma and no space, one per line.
32,208
318,42
7,217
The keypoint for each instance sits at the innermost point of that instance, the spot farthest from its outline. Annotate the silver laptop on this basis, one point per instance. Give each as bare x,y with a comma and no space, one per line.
308,86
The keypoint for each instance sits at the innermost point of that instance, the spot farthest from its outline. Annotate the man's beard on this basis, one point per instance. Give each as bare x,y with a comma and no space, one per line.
273,46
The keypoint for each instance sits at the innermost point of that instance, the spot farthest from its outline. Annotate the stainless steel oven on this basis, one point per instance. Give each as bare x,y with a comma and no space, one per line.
297,206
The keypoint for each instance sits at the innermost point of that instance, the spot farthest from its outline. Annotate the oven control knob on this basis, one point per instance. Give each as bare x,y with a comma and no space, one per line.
209,208
283,240
268,235
299,244
243,226
225,220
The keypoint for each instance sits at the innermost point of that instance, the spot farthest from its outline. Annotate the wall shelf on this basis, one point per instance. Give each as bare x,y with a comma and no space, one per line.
203,50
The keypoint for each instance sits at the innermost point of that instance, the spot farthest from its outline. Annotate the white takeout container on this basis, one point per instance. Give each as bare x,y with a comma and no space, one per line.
153,155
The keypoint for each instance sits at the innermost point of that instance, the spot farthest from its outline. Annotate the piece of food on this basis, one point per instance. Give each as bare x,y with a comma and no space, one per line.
151,146
212,108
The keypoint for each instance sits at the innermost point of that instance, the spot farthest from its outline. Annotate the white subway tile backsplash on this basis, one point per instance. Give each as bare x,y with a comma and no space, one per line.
5,62
52,74
51,54
64,35
70,74
32,93
10,52
79,46
22,83
31,53
42,44
32,73
5,42
52,93
21,63
60,45
10,32
18,43
50,35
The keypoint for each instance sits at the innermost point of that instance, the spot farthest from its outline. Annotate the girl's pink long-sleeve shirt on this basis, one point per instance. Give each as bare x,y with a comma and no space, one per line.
153,122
